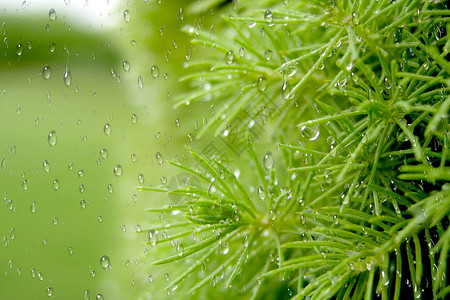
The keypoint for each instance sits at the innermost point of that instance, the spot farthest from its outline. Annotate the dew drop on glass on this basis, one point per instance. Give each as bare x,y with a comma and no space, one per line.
268,160
261,83
229,57
49,291
134,119
118,170
46,166
25,185
155,71
52,15
140,82
268,17
67,77
56,184
47,72
51,139
126,66
310,132
103,153
107,129
159,158
105,262
127,16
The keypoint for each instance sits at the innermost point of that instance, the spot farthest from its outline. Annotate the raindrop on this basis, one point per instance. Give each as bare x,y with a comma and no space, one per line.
268,17
25,185
51,139
47,72
286,90
103,153
133,157
46,166
167,277
52,47
268,55
126,66
127,16
55,221
67,77
81,173
328,177
19,49
229,57
155,71
310,132
56,184
107,129
141,178
159,158
105,262
134,118
261,83
118,170
152,237
268,160
83,203
110,188
241,52
261,193
81,188
49,291
99,296
33,207
52,15
140,82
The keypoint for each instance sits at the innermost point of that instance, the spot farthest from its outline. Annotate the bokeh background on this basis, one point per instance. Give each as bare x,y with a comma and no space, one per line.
87,90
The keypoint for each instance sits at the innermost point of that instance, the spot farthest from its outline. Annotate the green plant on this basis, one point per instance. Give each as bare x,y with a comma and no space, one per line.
355,202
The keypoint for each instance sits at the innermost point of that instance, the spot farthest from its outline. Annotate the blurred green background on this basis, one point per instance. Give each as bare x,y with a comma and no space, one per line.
65,211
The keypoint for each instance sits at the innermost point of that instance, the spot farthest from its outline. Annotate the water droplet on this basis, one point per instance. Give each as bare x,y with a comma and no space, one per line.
56,184
67,77
126,66
49,291
103,153
13,149
310,132
127,16
99,296
133,157
241,52
52,15
105,262
81,173
25,185
51,139
33,207
3,163
328,177
159,158
47,72
163,179
286,90
110,188
55,221
261,83
261,193
140,82
134,119
268,160
268,55
268,17
152,237
81,188
229,57
52,47
155,71
167,277
272,215
141,178
118,170
107,129
83,203
19,49
46,166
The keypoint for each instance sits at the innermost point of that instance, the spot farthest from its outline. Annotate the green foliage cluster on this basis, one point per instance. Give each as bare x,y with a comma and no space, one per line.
355,203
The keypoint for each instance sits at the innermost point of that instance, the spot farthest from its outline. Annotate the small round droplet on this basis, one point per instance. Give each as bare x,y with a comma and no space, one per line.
70,250
155,71
52,15
52,47
268,55
141,178
167,277
134,119
229,57
103,153
81,173
241,52
133,157
110,188
56,184
118,170
310,132
46,166
83,203
51,139
268,160
47,72
163,179
25,185
19,49
126,66
140,82
105,262
49,291
127,16
261,84
261,193
107,129
55,221
159,158
33,207
67,77
268,17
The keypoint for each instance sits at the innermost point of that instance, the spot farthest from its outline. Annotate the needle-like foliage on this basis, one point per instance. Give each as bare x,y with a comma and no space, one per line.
357,203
